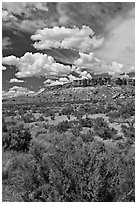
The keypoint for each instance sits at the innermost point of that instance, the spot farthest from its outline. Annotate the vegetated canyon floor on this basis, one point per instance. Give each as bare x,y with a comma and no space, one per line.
68,110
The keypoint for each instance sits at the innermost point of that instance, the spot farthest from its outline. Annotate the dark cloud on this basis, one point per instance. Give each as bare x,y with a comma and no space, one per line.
94,14
31,16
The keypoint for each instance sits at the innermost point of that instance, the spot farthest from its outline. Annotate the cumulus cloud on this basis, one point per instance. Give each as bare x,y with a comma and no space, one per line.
86,60
10,60
14,80
3,68
67,38
17,91
72,78
63,79
89,62
50,82
60,81
36,64
92,64
115,69
85,74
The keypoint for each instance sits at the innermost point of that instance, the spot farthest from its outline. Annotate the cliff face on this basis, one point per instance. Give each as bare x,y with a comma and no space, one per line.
89,83
103,81
94,82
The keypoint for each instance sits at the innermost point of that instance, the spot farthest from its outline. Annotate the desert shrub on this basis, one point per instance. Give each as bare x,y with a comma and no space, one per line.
52,128
28,118
86,122
99,122
129,132
106,132
110,107
6,140
78,114
127,109
75,129
52,117
17,138
60,114
4,125
67,110
21,111
46,125
92,110
51,113
99,109
11,111
68,116
41,118
63,126
114,114
87,137
86,107
70,170
103,130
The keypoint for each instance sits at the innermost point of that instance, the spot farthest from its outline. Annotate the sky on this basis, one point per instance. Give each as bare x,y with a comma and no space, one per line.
57,42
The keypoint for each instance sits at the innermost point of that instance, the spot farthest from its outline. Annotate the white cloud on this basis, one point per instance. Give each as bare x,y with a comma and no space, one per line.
61,37
14,80
3,68
37,64
50,82
89,62
92,64
10,60
72,78
17,91
85,74
60,81
115,69
63,79
86,60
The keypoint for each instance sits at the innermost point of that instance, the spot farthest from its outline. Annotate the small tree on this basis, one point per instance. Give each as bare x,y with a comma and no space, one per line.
17,138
